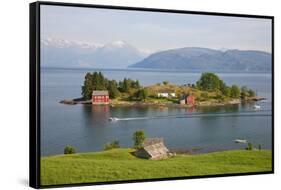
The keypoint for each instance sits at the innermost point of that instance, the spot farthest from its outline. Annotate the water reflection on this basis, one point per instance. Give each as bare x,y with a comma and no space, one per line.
218,109
96,116
191,110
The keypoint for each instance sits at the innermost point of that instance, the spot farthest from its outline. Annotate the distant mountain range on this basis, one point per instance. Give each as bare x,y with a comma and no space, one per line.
204,59
121,55
74,54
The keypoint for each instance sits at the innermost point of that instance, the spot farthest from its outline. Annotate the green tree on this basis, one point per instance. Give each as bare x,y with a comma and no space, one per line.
235,91
102,81
135,84
165,82
120,86
138,138
251,93
99,81
95,81
142,94
126,85
244,91
87,88
226,91
69,149
209,81
112,89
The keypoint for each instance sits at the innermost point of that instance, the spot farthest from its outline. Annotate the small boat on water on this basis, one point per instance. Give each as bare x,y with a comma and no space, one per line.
240,141
257,107
113,119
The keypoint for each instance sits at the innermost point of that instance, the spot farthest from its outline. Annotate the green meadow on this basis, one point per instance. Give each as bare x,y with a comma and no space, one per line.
120,164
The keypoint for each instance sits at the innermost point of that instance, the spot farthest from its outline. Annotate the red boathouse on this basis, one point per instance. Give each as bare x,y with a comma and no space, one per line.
100,97
190,100
187,99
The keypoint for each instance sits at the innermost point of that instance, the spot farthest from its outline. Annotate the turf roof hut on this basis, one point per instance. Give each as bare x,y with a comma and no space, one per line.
153,148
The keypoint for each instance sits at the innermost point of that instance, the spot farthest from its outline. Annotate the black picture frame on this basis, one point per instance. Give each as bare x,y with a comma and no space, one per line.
34,82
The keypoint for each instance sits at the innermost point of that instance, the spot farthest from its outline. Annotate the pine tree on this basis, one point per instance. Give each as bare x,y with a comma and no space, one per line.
112,89
235,91
87,88
126,85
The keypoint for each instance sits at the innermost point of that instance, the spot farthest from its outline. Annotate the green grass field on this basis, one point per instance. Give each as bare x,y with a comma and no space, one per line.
120,164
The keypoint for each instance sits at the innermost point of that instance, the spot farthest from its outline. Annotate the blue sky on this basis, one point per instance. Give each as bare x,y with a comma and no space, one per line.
150,31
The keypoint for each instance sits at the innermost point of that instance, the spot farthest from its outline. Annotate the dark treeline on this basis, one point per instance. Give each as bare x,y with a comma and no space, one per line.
96,81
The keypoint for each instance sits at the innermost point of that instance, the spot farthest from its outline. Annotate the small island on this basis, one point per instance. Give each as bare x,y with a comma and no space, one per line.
209,90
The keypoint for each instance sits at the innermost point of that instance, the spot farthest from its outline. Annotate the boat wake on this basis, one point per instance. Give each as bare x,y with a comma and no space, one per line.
262,113
127,119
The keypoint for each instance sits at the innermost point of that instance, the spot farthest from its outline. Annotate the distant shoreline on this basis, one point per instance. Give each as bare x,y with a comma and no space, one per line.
152,70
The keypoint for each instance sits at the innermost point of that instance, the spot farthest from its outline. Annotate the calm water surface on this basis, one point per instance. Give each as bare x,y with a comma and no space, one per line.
87,128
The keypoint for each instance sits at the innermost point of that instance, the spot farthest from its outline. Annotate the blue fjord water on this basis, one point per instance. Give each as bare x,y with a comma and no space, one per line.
87,128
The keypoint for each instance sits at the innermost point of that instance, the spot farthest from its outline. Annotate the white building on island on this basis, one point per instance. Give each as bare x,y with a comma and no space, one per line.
166,94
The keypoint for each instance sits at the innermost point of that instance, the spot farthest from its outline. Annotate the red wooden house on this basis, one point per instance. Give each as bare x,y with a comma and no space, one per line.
187,99
100,97
190,100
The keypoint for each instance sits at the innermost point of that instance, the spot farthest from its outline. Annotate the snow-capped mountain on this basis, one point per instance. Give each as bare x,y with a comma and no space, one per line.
77,54
116,44
62,43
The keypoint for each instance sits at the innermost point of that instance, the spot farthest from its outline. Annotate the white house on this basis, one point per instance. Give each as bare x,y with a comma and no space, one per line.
166,94
163,94
173,94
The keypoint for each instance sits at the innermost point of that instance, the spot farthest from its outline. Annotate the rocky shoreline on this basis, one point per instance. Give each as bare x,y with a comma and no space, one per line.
75,101
151,104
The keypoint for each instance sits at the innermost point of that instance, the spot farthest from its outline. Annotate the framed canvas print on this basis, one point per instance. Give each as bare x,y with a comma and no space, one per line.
123,94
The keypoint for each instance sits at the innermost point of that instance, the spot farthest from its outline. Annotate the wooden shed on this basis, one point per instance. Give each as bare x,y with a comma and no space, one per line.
153,148
187,99
100,97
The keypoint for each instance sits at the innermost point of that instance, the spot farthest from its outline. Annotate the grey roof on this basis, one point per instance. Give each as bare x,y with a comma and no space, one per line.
151,141
155,147
100,92
156,150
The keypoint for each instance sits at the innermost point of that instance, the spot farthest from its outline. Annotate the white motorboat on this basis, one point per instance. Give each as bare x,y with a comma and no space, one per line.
257,107
113,119
241,141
